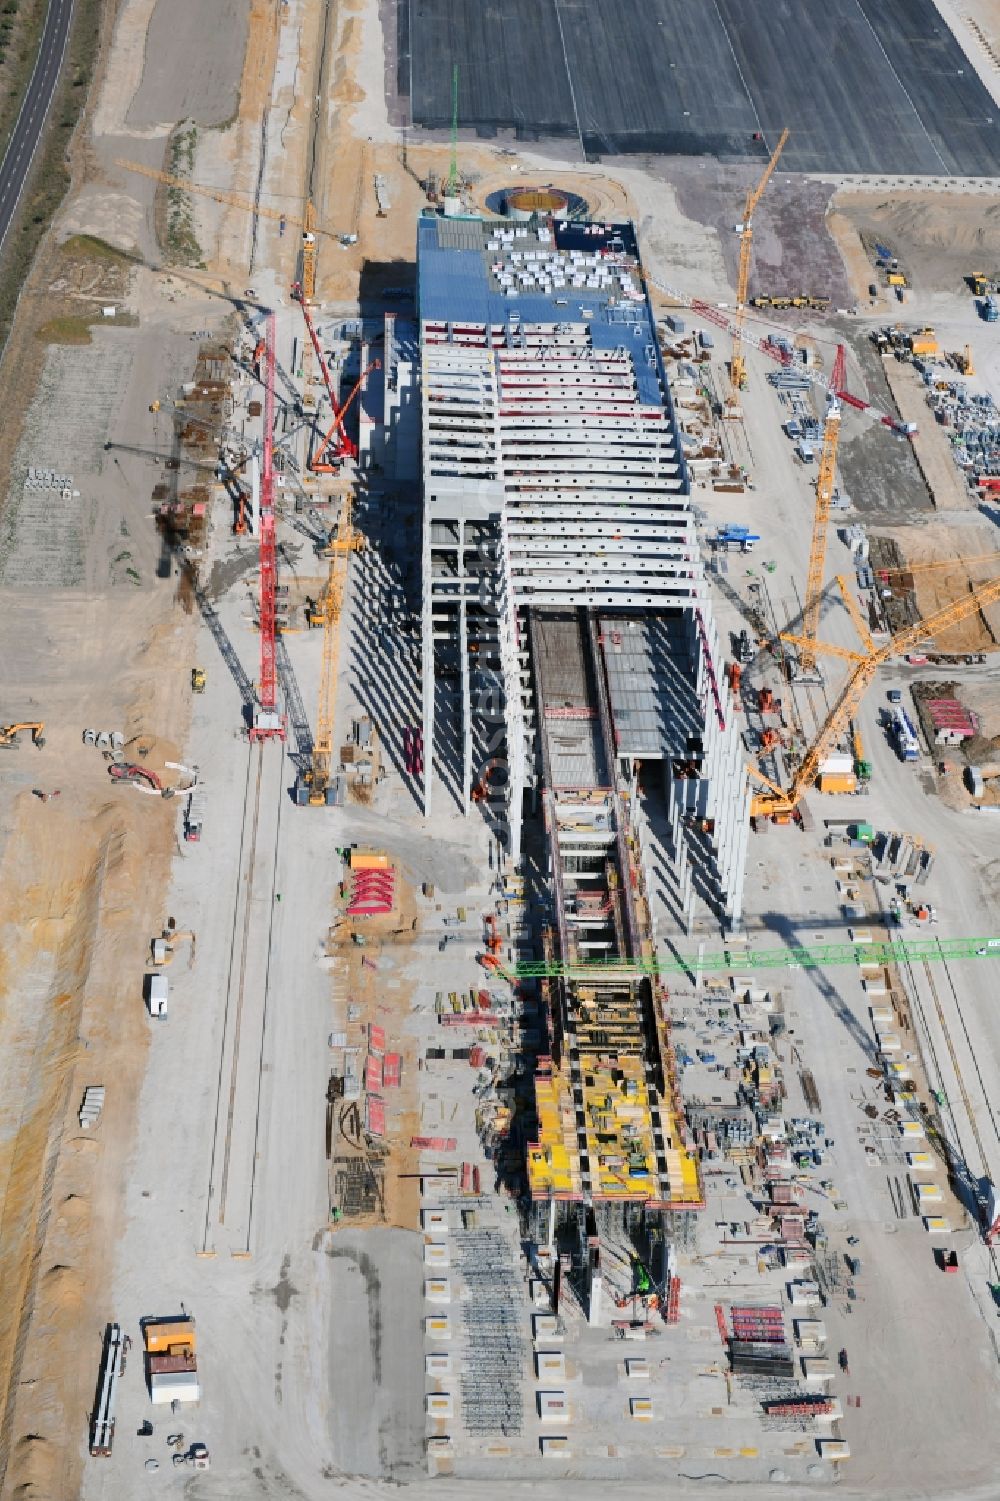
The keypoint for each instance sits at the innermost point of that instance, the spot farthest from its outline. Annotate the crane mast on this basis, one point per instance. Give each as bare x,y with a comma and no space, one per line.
451,187
737,367
268,723
826,481
309,254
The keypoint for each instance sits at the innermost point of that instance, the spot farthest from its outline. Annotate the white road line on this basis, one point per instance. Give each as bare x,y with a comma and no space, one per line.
569,78
892,70
739,70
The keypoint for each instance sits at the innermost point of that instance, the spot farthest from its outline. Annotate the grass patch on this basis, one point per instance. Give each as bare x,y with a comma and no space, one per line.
96,249
182,248
66,330
74,328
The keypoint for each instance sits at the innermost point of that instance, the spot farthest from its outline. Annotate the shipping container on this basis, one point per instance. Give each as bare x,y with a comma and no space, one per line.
184,1360
170,1336
838,782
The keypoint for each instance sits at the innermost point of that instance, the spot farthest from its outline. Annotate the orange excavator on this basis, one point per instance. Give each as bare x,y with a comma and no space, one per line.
9,735
491,959
481,791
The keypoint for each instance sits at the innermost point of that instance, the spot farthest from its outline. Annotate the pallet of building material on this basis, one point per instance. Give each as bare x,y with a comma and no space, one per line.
92,1106
672,1311
434,1143
375,1115
470,1019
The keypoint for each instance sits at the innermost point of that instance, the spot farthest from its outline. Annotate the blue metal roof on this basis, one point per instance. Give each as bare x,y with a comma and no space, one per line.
454,286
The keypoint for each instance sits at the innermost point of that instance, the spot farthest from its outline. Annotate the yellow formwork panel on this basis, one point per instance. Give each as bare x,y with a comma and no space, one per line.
618,1124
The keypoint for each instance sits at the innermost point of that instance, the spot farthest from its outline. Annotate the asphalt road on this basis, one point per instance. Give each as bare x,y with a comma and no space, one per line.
34,111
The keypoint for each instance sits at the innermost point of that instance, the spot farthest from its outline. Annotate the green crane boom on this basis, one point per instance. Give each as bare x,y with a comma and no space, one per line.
898,951
451,186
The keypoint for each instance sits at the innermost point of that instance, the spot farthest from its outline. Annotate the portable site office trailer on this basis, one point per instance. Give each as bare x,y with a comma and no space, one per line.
174,1386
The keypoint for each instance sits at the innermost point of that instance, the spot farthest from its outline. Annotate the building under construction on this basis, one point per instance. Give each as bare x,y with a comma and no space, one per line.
571,665
566,617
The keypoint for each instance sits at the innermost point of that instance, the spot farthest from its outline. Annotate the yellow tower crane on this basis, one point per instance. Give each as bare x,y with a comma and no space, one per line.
307,224
737,367
317,779
826,480
309,253
779,803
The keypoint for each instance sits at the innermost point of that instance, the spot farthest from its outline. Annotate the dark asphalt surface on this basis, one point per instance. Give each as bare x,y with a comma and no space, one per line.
34,110
864,86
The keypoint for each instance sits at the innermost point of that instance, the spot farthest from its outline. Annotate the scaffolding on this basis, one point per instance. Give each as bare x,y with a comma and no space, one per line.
493,1318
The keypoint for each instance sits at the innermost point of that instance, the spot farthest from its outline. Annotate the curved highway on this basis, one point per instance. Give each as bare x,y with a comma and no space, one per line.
34,110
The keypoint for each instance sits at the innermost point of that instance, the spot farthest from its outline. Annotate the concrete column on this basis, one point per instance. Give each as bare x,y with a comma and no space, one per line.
464,689
427,664
595,1283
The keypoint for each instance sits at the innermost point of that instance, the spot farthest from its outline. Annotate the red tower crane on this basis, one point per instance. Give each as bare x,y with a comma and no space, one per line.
344,448
268,722
336,444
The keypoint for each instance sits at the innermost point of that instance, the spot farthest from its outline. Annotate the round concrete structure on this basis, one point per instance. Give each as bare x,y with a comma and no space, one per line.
524,203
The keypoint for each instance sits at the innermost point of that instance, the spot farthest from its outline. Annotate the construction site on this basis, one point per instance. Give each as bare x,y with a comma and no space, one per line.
502,743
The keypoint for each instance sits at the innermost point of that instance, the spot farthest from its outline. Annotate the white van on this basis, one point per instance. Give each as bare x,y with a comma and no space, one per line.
159,988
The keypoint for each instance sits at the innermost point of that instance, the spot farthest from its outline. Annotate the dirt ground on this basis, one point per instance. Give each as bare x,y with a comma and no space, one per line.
380,1000
95,636
939,238
937,587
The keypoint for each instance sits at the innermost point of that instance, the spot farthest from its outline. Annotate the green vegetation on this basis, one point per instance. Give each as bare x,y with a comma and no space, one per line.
20,30
74,328
182,248
96,249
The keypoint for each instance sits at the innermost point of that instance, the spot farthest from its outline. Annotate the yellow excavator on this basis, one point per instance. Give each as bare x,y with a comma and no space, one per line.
9,735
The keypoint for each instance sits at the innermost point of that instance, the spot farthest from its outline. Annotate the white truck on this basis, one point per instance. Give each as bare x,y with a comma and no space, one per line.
159,991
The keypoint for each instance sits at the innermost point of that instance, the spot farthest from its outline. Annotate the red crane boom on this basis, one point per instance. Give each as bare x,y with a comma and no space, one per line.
344,448
268,724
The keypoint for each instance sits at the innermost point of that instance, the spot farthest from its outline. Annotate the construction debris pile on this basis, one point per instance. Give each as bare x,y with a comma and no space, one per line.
197,430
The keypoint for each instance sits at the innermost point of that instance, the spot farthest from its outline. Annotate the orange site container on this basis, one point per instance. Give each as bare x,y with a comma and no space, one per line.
172,1338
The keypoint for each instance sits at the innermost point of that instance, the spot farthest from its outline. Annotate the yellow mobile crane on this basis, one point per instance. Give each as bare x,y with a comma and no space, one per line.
737,366
779,803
